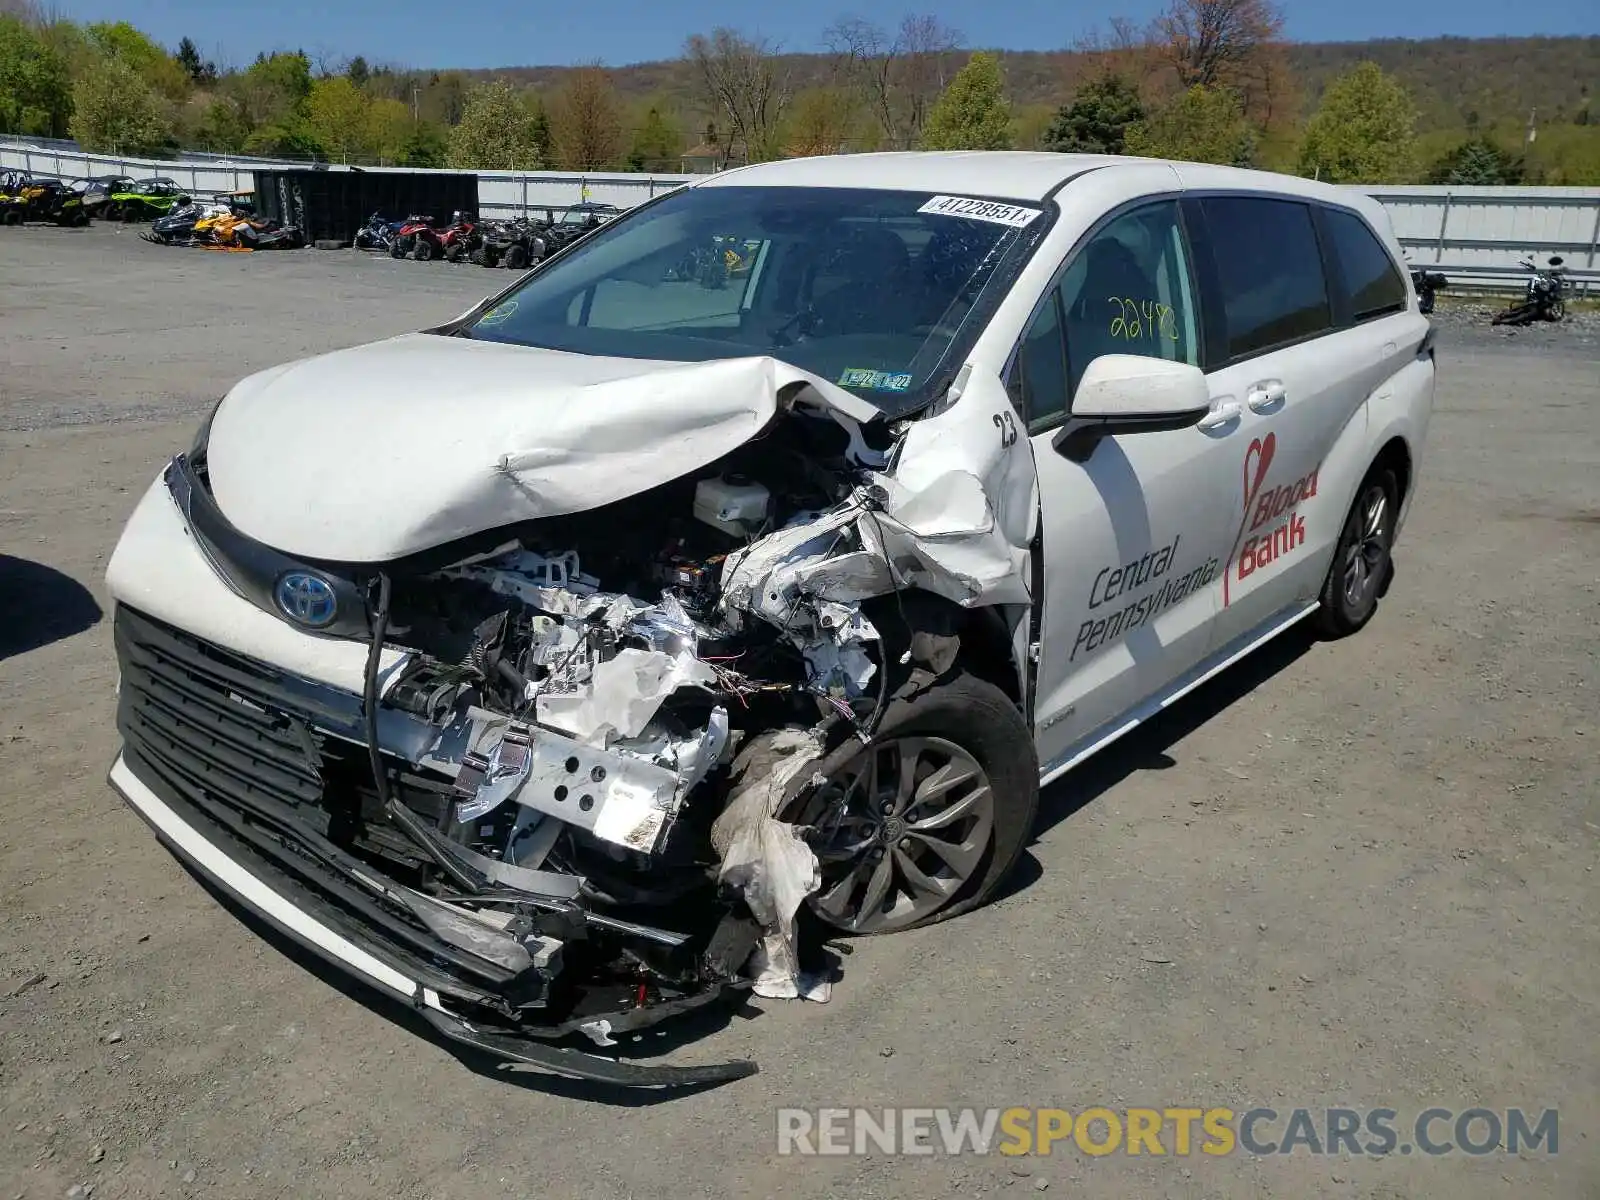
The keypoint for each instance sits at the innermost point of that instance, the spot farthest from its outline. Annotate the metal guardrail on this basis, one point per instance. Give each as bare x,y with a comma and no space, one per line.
1498,278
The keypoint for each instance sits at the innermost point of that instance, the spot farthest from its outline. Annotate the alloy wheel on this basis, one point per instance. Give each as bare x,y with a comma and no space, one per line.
1364,561
899,831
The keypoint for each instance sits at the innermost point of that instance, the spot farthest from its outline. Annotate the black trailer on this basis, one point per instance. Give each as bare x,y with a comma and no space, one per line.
331,205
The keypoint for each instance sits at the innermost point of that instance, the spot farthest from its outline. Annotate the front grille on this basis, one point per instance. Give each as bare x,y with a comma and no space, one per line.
215,723
230,741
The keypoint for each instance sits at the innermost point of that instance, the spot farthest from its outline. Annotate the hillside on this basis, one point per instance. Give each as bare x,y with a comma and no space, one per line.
1453,79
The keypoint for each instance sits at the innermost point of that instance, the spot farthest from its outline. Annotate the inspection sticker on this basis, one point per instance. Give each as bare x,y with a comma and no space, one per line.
876,381
995,213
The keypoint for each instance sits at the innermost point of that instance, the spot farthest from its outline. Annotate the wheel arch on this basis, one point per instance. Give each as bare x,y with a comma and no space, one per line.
936,634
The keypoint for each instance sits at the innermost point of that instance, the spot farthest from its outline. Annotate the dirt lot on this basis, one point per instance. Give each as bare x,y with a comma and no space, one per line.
1356,874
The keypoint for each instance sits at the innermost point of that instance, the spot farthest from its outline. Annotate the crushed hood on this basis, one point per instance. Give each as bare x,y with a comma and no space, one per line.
369,454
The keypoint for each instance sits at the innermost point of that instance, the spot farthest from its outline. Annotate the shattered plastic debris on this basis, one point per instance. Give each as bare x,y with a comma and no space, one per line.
621,695
768,862
598,1031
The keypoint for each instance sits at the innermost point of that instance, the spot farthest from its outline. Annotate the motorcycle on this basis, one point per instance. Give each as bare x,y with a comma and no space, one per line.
1426,284
378,233
1545,298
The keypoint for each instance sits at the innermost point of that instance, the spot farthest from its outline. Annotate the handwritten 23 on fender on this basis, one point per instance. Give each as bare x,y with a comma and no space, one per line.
1011,439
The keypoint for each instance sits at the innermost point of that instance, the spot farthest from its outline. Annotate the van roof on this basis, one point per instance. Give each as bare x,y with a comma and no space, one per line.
1007,174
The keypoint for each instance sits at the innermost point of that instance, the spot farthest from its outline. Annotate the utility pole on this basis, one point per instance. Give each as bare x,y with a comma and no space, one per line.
415,92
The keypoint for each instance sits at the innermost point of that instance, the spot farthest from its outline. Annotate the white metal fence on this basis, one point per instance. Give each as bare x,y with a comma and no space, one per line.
1474,234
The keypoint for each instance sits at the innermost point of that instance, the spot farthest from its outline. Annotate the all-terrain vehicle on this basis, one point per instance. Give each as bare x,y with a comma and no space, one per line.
44,200
404,240
145,200
97,192
517,244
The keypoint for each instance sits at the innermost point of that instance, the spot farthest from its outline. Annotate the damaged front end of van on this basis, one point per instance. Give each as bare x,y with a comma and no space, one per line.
547,709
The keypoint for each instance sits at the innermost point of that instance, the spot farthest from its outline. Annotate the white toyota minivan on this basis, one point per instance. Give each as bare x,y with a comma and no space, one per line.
749,565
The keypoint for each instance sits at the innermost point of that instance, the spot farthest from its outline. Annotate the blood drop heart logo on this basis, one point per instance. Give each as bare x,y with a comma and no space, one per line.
1257,462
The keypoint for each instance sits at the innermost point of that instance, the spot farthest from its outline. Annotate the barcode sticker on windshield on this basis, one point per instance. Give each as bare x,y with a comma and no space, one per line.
981,210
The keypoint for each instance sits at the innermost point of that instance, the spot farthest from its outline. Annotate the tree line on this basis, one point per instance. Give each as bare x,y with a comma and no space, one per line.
1205,80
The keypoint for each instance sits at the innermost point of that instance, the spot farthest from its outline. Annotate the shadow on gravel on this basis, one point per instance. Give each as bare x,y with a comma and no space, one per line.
1145,749
691,1027
40,605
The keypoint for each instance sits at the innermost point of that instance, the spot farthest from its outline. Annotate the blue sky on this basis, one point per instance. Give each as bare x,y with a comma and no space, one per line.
616,32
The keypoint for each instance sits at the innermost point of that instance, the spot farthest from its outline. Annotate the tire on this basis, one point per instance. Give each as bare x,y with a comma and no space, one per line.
1556,310
961,714
396,250
130,215
1345,606
423,250
517,258
13,217
111,212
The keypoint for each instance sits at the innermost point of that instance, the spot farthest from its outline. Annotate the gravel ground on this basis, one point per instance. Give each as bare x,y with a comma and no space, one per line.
1356,874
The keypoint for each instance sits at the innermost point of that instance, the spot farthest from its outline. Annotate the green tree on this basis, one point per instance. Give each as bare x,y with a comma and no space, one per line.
336,111
425,147
973,113
389,129
222,127
188,57
357,72
114,109
657,144
496,132
1477,161
586,122
1200,125
820,121
1364,131
154,65
1098,119
35,87
274,88
539,124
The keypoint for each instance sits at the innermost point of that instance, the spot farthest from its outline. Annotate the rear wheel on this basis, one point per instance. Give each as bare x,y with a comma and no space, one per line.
517,258
131,214
928,820
1361,563
13,216
1556,310
423,250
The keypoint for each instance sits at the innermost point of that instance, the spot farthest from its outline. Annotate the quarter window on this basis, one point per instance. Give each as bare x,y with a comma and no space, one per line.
1269,272
1371,279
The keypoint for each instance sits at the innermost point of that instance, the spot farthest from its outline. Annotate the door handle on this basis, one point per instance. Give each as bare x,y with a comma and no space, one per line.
1220,416
1266,395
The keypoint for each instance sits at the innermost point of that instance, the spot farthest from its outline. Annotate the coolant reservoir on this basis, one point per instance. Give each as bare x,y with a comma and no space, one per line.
733,504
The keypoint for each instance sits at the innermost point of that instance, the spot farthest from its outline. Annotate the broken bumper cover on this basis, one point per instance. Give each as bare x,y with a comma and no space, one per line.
274,896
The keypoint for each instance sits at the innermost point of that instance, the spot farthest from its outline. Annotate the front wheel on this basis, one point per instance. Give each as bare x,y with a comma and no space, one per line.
927,821
1361,563
1556,310
423,250
516,258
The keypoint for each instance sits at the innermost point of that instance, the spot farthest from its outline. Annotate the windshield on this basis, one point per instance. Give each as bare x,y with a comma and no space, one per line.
867,288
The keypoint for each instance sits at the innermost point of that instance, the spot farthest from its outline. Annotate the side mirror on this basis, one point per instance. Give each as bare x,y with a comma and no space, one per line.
1128,393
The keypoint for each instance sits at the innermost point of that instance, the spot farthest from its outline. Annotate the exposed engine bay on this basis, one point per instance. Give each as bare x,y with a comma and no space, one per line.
629,699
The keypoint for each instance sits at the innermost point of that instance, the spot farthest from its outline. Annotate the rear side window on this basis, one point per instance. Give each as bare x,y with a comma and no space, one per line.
1370,276
1269,272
